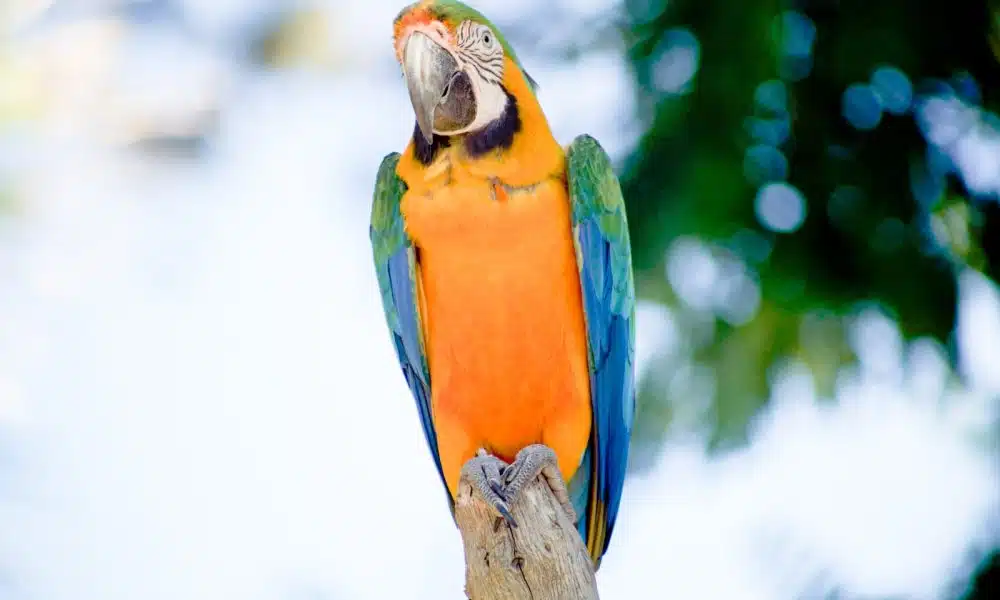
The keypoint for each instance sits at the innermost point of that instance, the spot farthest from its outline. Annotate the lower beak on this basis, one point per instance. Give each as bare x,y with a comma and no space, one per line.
428,68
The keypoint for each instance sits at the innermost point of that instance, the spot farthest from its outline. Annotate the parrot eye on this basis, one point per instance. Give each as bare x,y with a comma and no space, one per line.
487,39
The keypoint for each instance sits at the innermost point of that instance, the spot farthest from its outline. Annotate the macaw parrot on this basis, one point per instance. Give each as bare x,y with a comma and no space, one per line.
505,272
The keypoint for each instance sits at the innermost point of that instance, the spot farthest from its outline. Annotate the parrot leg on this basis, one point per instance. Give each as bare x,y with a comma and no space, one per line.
483,472
532,461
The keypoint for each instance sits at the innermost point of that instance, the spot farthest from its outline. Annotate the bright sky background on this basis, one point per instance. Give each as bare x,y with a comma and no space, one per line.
198,397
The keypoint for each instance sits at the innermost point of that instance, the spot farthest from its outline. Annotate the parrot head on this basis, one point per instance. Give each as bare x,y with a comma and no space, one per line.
454,62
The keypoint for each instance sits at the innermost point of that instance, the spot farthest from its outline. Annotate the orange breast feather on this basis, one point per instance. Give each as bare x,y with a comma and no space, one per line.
502,311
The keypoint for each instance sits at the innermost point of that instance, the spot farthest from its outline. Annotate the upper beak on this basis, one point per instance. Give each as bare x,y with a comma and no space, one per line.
428,68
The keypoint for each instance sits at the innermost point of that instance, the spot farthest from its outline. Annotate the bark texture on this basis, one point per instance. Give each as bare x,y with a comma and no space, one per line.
543,558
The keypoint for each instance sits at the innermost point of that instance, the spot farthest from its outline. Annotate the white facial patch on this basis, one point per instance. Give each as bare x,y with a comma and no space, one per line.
481,56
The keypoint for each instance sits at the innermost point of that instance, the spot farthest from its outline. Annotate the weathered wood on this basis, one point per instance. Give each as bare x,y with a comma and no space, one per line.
543,558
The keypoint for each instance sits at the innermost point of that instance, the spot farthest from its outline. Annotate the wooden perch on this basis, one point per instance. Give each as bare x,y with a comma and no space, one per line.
543,558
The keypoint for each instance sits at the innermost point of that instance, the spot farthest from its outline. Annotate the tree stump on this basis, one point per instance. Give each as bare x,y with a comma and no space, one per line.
543,558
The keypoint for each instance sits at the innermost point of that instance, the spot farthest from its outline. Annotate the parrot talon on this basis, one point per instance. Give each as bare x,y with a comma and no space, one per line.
484,473
496,486
532,461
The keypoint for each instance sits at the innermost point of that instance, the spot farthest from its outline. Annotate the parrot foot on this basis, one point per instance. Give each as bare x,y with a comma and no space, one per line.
484,473
530,462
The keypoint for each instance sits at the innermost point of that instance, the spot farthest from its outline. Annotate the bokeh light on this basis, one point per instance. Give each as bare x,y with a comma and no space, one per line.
862,107
780,207
677,62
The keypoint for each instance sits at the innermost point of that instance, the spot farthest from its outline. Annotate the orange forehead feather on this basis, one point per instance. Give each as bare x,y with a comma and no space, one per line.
419,16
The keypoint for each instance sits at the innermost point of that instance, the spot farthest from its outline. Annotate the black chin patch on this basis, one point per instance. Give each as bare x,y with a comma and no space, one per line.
423,151
498,134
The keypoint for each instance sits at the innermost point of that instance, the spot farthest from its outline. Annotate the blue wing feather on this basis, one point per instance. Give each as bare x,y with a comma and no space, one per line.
604,259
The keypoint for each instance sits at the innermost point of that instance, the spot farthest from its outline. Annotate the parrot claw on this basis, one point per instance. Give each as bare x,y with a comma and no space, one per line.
484,473
532,461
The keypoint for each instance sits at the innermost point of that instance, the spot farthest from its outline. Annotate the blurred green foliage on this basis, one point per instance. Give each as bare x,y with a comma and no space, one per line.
812,102
987,578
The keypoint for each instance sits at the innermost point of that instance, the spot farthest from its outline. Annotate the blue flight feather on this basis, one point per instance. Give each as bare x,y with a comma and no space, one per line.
606,281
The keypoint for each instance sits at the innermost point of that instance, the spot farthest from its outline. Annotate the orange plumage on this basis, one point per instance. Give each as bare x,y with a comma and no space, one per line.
501,300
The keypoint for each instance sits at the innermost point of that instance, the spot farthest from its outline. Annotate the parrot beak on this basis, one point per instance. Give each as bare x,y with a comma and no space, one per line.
428,69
